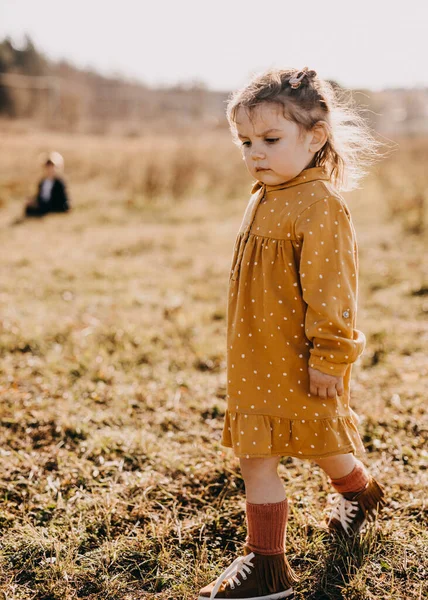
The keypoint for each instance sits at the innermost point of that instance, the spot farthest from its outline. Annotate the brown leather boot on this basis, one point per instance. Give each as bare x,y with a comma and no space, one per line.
253,577
351,511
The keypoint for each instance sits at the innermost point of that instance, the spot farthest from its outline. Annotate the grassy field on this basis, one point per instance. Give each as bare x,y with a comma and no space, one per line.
113,484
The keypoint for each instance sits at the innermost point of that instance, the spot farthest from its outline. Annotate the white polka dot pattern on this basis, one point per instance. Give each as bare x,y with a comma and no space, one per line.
330,315
292,303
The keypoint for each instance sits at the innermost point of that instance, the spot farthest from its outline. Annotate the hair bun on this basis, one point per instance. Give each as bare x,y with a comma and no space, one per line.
296,81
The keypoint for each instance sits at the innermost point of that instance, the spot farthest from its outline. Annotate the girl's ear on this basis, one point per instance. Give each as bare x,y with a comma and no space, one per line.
319,136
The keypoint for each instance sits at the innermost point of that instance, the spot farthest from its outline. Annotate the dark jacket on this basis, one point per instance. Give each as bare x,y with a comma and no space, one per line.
58,201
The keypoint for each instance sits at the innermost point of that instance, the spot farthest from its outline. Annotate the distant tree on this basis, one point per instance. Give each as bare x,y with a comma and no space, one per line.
6,61
28,60
335,85
24,61
7,55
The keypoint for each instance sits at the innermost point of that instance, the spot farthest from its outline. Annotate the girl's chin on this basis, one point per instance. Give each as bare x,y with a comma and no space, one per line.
269,177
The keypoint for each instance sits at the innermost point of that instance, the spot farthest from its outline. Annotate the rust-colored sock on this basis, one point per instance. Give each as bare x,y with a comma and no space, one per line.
266,527
354,482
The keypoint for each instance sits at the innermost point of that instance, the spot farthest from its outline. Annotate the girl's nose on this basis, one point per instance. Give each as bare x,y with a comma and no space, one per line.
257,154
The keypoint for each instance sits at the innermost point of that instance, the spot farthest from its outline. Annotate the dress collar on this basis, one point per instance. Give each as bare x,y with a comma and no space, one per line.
311,174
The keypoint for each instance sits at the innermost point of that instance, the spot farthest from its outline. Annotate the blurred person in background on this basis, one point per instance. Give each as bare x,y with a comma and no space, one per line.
51,193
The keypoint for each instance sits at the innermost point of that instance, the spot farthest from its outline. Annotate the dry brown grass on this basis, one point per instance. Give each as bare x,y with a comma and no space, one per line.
112,340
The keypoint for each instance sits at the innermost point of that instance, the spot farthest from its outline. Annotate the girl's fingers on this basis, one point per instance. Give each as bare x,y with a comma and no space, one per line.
331,391
313,389
325,390
339,388
322,392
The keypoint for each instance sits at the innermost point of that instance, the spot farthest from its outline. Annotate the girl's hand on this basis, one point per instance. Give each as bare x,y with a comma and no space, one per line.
323,385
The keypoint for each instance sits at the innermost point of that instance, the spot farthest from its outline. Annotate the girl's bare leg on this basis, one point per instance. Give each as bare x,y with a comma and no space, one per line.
262,482
337,466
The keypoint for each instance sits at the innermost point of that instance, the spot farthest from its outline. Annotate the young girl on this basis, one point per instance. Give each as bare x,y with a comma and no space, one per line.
291,318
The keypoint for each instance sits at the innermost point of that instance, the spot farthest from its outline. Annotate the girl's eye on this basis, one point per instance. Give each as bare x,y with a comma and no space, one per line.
271,140
246,143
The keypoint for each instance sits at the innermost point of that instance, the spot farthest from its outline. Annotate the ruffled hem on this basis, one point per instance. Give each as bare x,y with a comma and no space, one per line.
257,436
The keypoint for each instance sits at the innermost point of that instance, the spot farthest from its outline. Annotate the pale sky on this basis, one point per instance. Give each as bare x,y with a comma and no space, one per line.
369,43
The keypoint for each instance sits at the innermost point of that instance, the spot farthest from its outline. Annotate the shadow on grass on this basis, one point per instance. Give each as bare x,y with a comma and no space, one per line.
336,577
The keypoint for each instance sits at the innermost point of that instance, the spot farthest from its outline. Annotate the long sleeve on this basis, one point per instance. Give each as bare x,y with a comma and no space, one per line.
329,282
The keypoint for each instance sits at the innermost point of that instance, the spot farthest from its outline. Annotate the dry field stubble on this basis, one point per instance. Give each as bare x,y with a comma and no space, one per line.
113,484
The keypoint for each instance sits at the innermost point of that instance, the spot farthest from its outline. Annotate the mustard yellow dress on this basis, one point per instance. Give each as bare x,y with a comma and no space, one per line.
292,304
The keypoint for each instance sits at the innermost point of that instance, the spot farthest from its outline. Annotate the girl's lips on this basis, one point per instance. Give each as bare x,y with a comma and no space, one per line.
262,169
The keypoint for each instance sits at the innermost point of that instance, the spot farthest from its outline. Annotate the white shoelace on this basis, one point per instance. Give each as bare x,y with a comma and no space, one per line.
240,567
343,511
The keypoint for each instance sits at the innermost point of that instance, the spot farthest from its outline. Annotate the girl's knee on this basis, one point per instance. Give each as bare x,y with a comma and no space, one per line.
338,465
337,458
257,468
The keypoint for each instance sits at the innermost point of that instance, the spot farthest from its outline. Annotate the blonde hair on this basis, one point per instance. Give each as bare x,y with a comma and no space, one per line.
308,100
